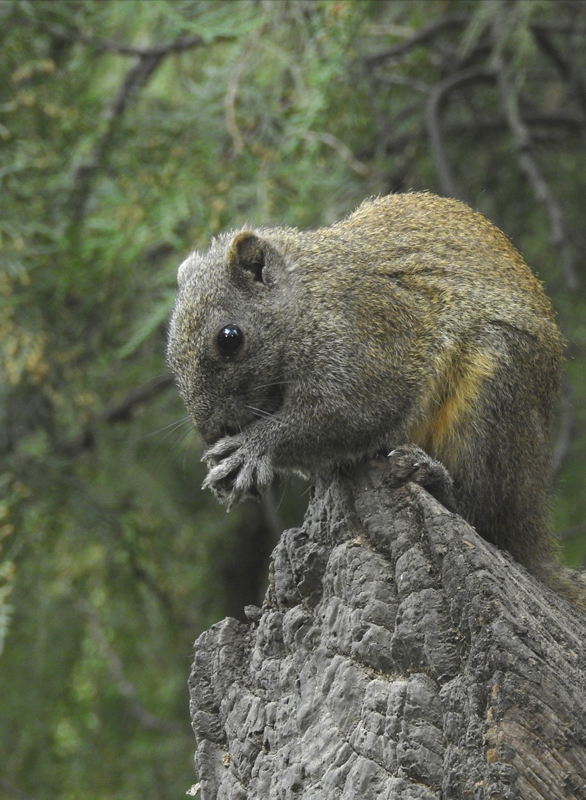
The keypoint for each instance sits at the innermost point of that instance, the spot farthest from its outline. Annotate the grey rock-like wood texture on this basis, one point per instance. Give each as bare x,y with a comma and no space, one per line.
397,656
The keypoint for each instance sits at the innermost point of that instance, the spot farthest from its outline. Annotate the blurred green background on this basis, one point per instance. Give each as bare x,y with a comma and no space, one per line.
130,132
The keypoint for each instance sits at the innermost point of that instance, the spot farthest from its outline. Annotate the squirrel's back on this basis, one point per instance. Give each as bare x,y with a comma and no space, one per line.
438,247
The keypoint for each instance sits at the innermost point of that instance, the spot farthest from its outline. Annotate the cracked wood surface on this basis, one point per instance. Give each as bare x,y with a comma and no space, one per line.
397,656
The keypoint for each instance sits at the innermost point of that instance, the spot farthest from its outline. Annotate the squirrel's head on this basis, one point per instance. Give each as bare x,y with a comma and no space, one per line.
227,332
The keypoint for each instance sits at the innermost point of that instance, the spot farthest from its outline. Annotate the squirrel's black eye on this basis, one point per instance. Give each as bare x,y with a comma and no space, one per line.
230,339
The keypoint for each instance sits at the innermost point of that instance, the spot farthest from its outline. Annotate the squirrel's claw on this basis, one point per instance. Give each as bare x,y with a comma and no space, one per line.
222,448
236,472
411,463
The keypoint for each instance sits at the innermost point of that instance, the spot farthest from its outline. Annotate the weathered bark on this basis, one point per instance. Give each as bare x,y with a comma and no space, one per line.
397,656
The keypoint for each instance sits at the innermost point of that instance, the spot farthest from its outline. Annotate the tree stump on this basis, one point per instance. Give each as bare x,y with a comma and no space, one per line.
397,656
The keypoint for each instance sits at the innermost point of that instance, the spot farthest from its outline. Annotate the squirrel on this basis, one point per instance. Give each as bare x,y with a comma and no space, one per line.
413,325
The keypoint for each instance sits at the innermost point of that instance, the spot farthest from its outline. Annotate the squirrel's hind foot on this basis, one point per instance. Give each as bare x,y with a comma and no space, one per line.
411,463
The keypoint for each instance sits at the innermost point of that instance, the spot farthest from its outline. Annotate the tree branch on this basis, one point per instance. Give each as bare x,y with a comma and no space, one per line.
435,102
341,149
398,142
179,45
148,59
136,77
402,80
125,687
559,27
527,163
572,122
232,92
122,411
566,67
422,36
567,425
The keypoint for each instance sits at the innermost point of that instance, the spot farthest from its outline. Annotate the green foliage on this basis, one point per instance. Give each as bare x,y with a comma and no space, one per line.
113,560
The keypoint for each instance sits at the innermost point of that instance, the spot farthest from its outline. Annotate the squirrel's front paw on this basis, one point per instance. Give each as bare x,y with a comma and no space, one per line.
411,463
236,470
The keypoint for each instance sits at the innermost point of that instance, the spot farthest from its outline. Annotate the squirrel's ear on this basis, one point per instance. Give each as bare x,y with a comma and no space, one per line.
247,251
184,269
